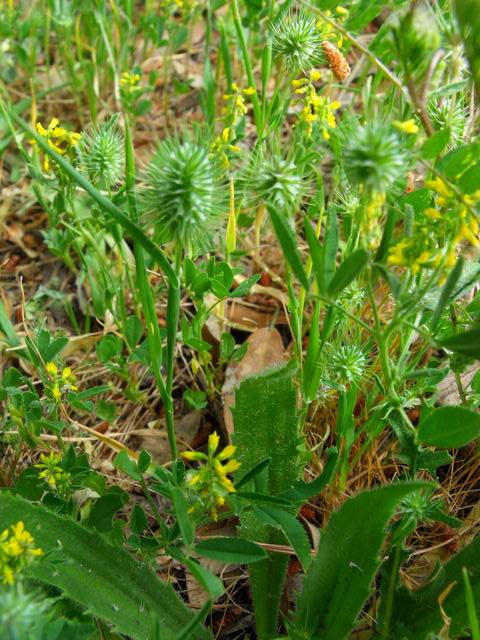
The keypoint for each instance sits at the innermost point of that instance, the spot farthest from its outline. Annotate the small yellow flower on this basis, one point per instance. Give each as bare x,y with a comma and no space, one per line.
213,442
439,186
53,474
52,368
226,135
432,213
129,80
193,455
16,550
315,75
56,393
209,482
249,91
227,452
341,11
408,126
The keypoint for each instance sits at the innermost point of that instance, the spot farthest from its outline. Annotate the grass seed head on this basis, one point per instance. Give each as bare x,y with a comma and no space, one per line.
296,40
102,152
374,157
183,195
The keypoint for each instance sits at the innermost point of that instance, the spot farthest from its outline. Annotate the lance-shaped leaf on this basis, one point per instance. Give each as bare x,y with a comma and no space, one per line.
339,580
104,579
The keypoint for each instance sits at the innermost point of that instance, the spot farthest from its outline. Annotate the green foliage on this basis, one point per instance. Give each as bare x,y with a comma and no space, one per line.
449,427
339,580
182,195
103,578
374,157
417,614
469,21
266,426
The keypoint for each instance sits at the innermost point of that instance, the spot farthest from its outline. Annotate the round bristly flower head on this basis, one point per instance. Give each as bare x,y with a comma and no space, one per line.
347,364
297,41
277,181
182,197
102,152
374,157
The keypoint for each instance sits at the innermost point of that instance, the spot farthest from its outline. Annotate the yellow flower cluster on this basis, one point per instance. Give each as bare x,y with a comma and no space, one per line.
129,80
61,381
417,252
234,109
17,549
327,30
315,108
437,233
210,481
445,199
58,138
408,126
50,470
186,7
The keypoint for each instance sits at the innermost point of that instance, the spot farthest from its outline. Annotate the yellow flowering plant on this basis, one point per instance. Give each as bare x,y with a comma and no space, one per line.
209,482
259,227
17,550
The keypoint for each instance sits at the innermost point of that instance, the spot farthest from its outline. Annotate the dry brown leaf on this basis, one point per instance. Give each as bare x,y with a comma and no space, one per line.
186,429
447,389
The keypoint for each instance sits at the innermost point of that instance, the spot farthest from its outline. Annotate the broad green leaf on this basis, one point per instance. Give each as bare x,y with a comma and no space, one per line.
138,520
103,510
449,427
339,580
266,426
347,272
470,181
230,550
435,144
458,160
291,527
102,578
467,343
123,462
416,615
288,242
244,287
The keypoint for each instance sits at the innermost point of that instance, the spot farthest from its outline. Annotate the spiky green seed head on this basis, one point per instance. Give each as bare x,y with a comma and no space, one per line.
373,157
296,41
21,614
277,181
347,364
447,114
183,195
102,152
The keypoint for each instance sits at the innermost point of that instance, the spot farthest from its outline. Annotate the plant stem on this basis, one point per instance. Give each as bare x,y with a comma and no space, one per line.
257,111
391,591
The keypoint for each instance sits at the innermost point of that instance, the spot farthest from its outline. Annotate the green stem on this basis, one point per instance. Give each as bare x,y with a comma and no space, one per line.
257,111
391,591
148,303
